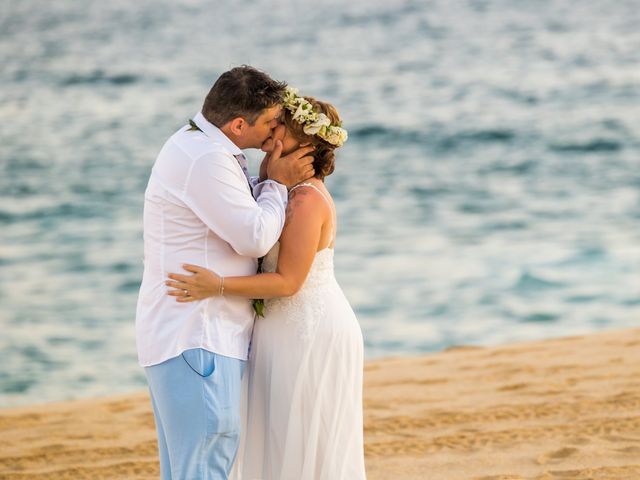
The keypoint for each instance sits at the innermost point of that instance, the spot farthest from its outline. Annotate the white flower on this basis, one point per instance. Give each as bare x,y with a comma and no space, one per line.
335,136
313,123
290,94
321,121
304,113
342,136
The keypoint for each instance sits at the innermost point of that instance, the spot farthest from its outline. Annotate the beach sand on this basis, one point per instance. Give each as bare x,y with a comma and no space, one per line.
566,408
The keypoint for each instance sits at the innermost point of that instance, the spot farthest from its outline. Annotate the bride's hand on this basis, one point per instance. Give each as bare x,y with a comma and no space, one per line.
188,288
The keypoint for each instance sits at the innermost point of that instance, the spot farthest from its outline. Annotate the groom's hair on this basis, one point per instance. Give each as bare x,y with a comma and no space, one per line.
241,92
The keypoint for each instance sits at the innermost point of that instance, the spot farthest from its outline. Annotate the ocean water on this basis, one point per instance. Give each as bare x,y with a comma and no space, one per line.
489,191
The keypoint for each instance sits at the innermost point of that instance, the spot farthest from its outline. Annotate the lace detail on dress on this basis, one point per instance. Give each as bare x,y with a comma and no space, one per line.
307,307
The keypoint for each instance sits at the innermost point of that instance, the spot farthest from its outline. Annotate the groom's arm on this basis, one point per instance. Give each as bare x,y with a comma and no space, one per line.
262,177
216,191
306,214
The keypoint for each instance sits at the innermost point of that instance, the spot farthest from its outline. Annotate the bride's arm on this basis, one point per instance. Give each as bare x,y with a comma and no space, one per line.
298,246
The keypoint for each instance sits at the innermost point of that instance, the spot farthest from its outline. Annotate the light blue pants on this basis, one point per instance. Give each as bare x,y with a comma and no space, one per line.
196,404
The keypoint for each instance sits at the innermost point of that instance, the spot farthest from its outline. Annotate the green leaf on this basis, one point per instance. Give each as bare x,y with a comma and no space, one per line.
193,126
258,307
258,303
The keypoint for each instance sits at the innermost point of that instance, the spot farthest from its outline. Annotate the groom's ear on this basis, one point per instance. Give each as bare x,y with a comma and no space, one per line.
237,126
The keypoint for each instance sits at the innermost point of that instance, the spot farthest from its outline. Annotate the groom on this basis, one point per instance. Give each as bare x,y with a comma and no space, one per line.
201,207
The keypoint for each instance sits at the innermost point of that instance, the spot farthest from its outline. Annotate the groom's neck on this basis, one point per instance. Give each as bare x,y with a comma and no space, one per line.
226,129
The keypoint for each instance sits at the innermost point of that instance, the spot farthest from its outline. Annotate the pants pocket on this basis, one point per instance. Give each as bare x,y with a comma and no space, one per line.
223,389
200,361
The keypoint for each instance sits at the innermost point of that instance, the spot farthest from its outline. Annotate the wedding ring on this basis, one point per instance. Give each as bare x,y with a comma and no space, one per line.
186,293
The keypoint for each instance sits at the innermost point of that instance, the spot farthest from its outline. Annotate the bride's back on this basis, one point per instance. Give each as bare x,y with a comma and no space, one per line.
328,232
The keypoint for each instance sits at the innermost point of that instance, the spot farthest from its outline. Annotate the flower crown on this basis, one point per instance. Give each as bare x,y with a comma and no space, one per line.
314,123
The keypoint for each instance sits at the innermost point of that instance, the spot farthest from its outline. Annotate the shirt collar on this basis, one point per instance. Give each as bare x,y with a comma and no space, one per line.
214,133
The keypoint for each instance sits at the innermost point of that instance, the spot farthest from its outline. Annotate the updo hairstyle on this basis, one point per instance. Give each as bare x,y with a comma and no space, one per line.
324,154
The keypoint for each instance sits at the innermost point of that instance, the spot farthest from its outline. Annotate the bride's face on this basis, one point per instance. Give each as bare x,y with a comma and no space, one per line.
289,142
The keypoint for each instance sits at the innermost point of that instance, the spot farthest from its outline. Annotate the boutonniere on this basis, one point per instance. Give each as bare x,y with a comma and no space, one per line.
194,127
258,303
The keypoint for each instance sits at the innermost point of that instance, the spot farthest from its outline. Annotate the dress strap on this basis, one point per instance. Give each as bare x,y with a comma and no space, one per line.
309,184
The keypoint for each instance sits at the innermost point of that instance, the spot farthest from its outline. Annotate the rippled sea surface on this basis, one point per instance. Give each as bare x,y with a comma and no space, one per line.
489,192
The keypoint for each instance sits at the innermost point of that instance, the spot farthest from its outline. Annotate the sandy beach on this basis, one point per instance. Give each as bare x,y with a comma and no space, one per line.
566,408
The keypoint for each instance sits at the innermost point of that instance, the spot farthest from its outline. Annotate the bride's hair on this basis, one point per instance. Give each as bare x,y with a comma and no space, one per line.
324,156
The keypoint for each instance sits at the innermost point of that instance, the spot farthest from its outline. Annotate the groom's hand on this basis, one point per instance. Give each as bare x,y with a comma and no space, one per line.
268,147
290,169
278,133
263,167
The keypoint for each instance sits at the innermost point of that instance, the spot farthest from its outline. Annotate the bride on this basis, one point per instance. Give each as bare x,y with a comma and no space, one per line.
303,418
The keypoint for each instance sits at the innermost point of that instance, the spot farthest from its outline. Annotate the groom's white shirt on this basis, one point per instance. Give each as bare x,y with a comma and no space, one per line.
199,209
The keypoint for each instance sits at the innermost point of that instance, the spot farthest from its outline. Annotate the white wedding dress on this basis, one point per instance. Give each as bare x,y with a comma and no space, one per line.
303,411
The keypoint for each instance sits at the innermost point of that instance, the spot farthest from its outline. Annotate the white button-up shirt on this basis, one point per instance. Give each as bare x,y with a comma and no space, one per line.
199,209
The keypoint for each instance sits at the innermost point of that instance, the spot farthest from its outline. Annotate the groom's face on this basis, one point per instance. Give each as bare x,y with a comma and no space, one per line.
256,134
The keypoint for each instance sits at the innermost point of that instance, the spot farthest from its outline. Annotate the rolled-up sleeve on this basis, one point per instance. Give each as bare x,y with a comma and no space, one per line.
218,193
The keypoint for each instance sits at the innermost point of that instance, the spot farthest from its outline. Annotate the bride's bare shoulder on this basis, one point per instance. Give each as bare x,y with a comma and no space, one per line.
306,199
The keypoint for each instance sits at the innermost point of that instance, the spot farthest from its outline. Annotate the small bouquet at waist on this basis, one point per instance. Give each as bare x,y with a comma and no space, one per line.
258,303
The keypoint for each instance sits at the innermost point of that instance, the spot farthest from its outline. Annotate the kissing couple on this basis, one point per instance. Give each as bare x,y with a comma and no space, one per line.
276,396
